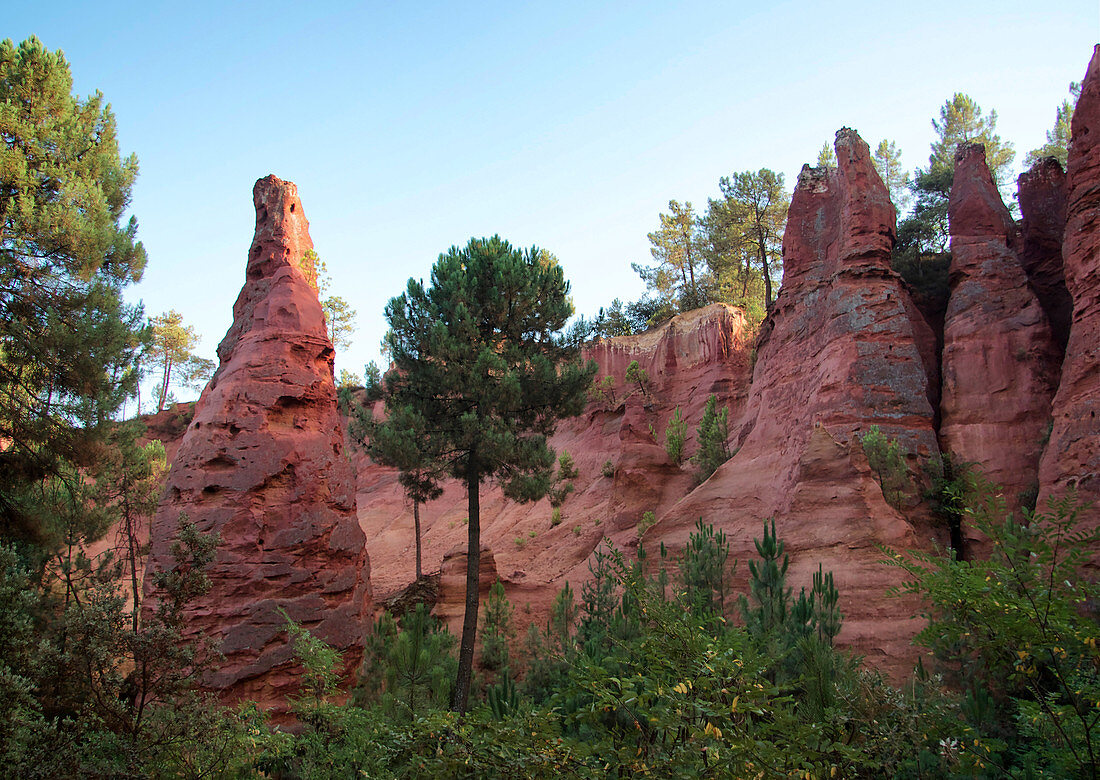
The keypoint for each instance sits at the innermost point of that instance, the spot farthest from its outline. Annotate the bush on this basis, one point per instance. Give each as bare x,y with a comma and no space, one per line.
887,460
1019,633
712,435
608,469
496,629
637,375
603,392
675,433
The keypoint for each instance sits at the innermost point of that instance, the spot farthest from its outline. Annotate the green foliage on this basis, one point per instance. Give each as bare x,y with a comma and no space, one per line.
372,381
826,157
408,670
346,380
503,697
1057,145
69,344
555,516
608,469
925,233
339,316
171,347
615,321
887,161
887,460
703,571
677,276
86,693
496,630
603,392
712,435
675,433
320,666
562,484
744,239
637,375
649,519
1019,630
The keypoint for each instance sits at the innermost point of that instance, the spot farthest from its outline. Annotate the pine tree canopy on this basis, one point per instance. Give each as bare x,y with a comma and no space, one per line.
479,365
67,341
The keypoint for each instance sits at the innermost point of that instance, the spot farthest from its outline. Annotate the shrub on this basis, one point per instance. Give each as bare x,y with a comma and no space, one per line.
648,520
637,375
603,392
712,435
555,516
563,480
703,570
608,469
1019,632
496,629
675,433
887,460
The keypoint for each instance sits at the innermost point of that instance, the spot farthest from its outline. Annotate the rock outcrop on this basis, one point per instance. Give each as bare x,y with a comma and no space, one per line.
1042,197
1072,457
451,606
1000,361
262,464
847,350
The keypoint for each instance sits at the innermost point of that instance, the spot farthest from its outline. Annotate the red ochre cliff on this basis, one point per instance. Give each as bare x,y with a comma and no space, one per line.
844,348
1072,456
1000,360
262,464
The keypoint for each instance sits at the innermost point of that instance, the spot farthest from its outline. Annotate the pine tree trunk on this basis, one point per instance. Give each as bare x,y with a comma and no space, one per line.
461,695
164,384
416,525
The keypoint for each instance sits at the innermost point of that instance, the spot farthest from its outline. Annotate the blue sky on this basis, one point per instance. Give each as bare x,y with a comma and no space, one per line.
410,127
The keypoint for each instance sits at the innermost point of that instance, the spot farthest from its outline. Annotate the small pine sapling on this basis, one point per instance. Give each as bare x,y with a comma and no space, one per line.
675,433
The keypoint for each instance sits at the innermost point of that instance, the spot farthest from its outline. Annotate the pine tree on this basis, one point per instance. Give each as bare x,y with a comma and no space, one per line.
887,160
1057,145
171,348
744,235
712,435
480,369
68,342
677,275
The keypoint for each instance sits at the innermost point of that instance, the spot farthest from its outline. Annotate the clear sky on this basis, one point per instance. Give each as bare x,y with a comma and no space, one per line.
410,127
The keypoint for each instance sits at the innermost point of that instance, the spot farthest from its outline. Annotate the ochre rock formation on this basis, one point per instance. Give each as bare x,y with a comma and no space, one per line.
1000,361
1042,197
846,350
451,607
1072,457
262,464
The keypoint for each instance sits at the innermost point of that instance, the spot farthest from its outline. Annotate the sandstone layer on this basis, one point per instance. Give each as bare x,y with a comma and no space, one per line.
1042,198
846,350
1072,457
1000,362
262,464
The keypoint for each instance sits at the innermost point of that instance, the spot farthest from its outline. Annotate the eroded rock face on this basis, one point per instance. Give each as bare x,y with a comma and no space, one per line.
846,350
451,607
1000,361
1072,457
1042,197
262,464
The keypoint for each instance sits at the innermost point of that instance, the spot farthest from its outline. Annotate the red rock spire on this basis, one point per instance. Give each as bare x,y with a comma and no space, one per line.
1072,457
262,464
1000,362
